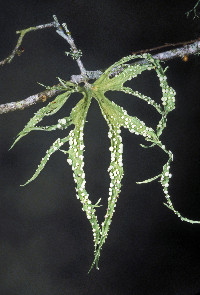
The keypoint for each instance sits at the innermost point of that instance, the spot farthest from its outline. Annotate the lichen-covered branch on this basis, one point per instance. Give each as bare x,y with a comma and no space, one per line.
165,46
74,53
29,101
22,33
180,52
189,48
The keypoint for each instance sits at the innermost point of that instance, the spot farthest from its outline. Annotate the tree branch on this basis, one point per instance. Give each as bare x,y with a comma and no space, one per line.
186,50
20,39
29,101
166,45
75,53
189,48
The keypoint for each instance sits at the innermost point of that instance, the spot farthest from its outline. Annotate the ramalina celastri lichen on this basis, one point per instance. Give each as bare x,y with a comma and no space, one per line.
116,118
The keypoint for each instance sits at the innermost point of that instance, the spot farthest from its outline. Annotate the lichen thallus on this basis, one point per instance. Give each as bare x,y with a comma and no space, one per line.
116,118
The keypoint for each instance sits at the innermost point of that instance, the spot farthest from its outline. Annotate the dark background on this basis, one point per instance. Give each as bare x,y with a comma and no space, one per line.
46,245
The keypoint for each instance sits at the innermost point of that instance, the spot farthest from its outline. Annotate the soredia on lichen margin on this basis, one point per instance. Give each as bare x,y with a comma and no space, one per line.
112,79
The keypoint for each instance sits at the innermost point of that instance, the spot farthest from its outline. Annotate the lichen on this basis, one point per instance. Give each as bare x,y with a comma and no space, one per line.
116,118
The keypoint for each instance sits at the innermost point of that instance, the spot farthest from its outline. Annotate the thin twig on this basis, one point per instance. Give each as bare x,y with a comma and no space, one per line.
75,53
194,9
166,45
43,96
19,41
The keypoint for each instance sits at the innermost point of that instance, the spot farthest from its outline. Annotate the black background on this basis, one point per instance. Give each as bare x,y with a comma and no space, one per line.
46,244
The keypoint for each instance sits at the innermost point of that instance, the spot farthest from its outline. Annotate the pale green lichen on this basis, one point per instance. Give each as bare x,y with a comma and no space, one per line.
194,10
116,118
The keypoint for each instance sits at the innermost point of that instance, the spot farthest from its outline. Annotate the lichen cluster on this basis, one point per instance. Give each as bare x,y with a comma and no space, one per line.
116,118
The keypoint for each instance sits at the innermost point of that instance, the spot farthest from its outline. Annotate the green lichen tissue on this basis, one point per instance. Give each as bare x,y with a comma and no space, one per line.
116,118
